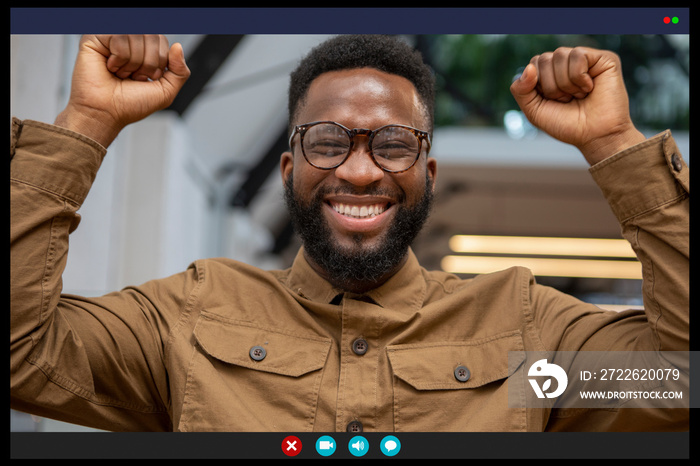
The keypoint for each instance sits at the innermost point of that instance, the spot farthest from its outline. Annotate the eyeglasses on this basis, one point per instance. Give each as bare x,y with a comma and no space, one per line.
327,144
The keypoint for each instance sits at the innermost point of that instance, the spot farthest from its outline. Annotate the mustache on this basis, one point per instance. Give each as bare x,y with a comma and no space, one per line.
370,190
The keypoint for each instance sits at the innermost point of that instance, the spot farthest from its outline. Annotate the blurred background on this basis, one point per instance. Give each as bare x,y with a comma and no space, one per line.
201,179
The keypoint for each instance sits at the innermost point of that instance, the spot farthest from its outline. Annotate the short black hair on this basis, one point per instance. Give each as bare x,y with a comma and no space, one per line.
382,52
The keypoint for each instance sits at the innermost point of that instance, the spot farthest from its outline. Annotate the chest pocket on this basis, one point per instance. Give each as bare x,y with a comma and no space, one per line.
243,377
456,386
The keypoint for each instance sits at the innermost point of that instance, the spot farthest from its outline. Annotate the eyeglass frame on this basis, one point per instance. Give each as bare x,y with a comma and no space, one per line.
304,127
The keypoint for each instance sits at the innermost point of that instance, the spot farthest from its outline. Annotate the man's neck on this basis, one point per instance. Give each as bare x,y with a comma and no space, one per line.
354,286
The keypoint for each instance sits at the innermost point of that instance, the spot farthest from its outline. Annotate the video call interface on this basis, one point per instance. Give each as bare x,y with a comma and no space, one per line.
347,445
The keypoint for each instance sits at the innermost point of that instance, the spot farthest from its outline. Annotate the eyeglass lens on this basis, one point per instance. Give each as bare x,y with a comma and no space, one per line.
394,148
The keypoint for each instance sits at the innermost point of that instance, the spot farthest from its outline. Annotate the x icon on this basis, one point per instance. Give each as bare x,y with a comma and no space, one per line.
291,446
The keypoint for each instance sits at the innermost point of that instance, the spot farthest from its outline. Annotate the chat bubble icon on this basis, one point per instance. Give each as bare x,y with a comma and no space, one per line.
390,445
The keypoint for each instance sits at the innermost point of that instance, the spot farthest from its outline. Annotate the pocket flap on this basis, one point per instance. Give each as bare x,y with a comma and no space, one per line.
431,366
232,341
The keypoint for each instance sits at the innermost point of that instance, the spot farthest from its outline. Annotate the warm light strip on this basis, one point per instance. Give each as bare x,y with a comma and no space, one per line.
545,267
542,246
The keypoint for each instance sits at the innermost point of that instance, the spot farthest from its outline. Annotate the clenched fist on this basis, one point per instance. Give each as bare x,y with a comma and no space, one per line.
577,96
118,80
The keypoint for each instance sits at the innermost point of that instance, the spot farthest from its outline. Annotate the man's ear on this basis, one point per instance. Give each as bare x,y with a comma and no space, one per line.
286,165
431,166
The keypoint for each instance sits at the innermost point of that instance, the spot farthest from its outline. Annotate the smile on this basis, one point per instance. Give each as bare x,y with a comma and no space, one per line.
359,211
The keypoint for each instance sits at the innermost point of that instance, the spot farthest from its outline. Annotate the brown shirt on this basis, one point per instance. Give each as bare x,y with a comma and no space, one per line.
229,347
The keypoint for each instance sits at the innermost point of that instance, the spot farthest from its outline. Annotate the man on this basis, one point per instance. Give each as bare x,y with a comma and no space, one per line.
355,335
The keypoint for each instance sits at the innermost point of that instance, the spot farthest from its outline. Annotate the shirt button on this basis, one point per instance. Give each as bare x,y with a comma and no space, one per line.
257,353
462,373
676,162
359,346
354,426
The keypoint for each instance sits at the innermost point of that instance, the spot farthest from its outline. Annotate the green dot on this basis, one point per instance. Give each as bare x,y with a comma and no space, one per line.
675,20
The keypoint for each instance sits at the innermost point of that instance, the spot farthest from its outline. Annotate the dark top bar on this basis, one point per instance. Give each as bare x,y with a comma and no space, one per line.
349,20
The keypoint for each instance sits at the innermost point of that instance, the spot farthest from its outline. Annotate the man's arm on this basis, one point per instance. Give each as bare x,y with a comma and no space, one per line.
59,345
578,96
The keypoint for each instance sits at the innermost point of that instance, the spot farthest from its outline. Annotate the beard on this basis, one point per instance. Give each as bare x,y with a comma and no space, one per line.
346,266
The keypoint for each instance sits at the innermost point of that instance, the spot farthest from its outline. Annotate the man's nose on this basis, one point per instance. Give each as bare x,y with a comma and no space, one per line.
359,168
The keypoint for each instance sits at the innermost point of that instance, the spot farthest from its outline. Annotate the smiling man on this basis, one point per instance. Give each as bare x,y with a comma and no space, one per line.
356,335
359,197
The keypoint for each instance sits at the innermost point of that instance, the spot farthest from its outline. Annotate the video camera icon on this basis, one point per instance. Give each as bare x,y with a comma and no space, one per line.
325,445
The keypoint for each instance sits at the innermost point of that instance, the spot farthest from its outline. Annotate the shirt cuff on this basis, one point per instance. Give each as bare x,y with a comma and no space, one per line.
53,158
643,177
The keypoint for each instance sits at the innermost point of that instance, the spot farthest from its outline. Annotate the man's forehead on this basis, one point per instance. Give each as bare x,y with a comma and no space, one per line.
364,78
362,85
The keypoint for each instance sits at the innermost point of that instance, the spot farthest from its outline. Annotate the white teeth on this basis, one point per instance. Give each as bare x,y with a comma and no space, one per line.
358,211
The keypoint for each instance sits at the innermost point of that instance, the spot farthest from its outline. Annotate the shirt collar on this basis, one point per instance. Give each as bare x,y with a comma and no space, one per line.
406,289
304,281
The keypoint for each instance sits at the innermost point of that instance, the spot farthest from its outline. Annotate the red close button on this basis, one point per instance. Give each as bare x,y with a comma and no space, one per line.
291,446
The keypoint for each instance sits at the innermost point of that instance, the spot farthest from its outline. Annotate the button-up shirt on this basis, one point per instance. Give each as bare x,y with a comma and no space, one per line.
225,346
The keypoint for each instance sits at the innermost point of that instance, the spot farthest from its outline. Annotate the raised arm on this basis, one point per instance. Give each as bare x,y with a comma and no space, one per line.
577,95
90,361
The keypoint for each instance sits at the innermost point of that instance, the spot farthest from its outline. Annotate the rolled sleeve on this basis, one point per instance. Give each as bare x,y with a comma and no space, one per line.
54,159
657,163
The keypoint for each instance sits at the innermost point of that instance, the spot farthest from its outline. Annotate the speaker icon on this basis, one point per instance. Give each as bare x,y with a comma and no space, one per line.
358,445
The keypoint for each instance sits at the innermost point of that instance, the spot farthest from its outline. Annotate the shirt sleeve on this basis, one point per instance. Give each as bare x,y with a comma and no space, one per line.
96,362
647,188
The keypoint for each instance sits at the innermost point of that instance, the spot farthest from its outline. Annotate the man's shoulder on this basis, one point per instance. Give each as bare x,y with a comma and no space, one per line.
452,282
227,269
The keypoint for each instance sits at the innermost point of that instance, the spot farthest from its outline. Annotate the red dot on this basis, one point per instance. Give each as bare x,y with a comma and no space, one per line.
667,20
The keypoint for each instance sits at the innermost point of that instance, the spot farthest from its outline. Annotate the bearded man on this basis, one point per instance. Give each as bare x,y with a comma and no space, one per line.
355,336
